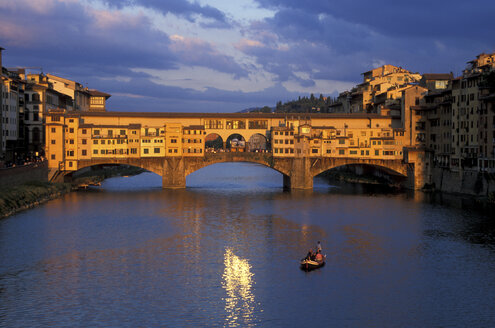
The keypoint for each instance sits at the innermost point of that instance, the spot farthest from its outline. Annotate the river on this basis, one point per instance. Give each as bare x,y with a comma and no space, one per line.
224,252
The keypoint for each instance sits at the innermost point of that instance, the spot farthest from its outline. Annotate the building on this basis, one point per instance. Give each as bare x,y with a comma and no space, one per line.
379,84
468,115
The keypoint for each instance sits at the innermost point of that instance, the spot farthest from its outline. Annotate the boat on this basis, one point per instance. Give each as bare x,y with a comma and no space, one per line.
308,265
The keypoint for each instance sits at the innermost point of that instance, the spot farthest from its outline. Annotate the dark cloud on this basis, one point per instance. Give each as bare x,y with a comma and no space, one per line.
340,39
140,94
86,43
184,8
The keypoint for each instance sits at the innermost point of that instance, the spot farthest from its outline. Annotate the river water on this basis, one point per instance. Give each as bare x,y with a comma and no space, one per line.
224,252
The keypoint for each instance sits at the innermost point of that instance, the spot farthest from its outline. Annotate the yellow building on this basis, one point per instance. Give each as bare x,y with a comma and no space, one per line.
193,140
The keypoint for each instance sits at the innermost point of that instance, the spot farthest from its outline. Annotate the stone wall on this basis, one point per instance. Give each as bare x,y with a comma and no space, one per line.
467,182
22,174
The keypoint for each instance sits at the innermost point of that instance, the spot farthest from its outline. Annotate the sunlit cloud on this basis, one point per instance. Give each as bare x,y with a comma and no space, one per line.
203,78
14,34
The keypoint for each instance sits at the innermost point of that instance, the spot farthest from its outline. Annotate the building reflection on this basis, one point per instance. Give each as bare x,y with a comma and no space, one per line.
238,282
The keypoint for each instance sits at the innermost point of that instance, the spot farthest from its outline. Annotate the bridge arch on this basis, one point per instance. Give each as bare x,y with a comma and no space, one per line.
235,140
258,142
214,142
193,164
152,164
391,167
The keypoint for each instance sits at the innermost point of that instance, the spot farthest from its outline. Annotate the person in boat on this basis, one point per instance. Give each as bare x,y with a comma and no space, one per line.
310,255
318,247
319,256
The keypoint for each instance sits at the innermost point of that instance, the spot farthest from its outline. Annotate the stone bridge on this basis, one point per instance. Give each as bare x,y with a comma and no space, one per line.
298,172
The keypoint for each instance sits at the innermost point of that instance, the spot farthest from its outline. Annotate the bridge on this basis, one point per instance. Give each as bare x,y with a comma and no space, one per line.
174,145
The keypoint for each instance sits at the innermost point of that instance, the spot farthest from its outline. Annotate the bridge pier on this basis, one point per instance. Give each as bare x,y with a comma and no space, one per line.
300,176
174,174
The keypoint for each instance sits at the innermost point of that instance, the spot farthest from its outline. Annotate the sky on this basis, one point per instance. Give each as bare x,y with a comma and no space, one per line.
226,55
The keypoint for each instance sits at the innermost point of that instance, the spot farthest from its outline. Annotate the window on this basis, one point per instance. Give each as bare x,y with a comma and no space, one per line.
53,156
52,142
341,141
96,132
156,150
83,131
173,140
53,130
341,151
95,152
83,141
122,132
84,152
133,150
146,151
314,151
95,142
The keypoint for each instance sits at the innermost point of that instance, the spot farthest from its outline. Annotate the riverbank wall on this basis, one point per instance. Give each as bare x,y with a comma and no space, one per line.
35,172
471,183
17,198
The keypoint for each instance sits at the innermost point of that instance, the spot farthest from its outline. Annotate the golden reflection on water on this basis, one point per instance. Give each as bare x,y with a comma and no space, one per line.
238,282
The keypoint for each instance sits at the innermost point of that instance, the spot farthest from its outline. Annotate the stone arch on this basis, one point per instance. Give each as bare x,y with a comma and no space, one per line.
228,158
235,142
213,142
380,172
194,164
153,164
393,167
258,143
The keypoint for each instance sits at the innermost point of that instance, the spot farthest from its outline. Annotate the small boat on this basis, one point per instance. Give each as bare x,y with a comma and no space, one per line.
308,265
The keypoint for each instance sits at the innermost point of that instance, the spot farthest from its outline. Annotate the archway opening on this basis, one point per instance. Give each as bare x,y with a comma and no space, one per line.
213,143
363,174
258,143
235,143
94,175
236,176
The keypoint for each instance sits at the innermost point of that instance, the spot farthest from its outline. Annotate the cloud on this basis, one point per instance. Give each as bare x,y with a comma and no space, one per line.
196,52
184,8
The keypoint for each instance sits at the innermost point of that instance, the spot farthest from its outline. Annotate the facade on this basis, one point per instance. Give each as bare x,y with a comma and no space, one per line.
457,116
74,137
378,86
24,101
83,99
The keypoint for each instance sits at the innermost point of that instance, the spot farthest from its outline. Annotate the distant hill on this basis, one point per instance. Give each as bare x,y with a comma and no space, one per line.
309,104
265,109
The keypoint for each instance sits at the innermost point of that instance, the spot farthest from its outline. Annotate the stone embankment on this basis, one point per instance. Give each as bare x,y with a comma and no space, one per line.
17,198
472,183
25,187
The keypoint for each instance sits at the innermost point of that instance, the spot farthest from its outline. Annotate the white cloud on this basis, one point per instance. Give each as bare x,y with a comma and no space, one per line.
202,78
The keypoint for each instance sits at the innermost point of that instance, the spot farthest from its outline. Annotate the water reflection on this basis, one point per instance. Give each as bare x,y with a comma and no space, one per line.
225,251
238,282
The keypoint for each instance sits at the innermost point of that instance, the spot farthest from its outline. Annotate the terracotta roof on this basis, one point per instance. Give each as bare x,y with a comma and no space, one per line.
301,116
96,93
438,76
